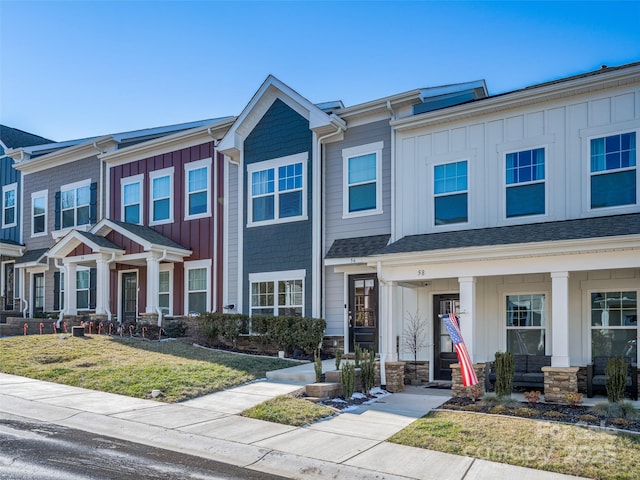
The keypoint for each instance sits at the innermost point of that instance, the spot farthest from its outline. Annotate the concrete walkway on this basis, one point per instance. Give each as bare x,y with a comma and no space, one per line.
350,445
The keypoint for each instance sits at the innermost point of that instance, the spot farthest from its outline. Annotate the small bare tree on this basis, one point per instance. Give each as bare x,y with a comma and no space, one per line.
414,337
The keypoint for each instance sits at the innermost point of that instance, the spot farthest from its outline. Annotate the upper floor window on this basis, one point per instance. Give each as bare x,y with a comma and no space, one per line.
76,204
197,189
131,206
525,193
613,170
39,213
526,324
9,207
362,189
278,190
161,208
450,190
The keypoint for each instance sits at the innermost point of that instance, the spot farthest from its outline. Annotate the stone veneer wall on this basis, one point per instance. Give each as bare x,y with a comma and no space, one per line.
558,382
582,380
395,376
331,345
457,389
422,368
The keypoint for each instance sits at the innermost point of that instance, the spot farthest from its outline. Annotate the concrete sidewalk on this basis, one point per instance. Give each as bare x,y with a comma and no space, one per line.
350,445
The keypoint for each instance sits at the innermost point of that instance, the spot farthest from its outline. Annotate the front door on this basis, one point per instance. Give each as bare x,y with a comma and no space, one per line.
38,292
9,282
129,305
363,312
444,351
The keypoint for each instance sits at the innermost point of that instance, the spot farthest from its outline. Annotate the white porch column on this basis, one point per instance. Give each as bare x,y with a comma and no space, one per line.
24,304
70,295
389,340
153,283
102,286
560,318
468,313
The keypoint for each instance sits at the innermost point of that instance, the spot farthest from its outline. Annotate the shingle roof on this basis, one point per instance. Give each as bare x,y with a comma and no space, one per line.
100,241
583,228
150,235
32,255
14,138
7,241
357,247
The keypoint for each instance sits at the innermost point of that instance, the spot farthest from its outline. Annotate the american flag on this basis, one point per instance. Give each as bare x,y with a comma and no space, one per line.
466,366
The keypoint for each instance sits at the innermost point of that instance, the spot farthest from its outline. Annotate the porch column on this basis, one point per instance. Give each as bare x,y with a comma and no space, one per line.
560,316
388,346
153,283
70,296
102,286
468,313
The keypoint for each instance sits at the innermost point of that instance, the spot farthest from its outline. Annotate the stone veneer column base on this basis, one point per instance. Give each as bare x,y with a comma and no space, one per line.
148,319
558,382
457,389
395,376
419,372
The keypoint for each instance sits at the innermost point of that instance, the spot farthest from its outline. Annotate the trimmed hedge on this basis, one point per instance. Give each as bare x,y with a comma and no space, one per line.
287,333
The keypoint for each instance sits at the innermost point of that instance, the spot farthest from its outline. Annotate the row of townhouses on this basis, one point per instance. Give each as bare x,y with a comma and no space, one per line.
519,212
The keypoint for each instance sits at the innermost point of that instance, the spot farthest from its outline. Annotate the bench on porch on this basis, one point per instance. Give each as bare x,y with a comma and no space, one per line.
596,377
527,371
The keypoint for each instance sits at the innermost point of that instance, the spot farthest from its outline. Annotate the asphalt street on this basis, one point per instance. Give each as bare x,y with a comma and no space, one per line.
43,451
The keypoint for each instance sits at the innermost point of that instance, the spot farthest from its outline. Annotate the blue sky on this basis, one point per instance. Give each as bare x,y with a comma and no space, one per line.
76,69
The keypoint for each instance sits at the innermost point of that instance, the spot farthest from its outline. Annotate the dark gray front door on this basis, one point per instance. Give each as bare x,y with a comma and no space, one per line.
444,351
129,296
8,286
363,312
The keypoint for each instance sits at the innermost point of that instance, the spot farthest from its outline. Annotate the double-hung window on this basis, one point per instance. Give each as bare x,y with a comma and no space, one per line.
450,190
83,279
161,192
165,297
197,286
131,206
614,324
278,190
75,204
362,191
613,170
39,213
525,185
197,189
526,324
277,293
9,207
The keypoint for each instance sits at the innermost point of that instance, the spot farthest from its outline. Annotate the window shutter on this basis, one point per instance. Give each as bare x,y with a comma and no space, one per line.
56,291
58,211
92,288
93,203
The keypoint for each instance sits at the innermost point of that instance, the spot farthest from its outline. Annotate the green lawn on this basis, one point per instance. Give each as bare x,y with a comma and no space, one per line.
288,410
130,367
536,444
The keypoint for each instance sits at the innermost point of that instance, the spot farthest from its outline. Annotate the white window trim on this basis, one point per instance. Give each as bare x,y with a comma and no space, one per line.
129,181
277,277
34,195
80,268
194,265
351,152
61,292
8,188
545,180
274,164
167,267
547,316
205,163
152,176
32,284
450,226
590,174
74,186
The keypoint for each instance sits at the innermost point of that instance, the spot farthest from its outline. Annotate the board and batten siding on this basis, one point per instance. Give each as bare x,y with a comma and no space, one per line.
561,126
232,222
8,176
337,227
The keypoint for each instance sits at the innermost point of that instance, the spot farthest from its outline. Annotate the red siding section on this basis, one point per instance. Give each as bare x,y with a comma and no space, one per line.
80,250
125,243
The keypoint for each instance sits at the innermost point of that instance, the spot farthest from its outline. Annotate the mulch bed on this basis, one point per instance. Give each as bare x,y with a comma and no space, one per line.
579,415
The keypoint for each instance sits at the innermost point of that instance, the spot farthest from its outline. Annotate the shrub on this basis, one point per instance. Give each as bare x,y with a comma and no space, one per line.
554,414
474,407
368,371
357,355
490,399
621,422
616,378
504,374
175,329
348,379
498,410
526,412
573,399
317,366
619,409
532,397
588,418
338,359
475,392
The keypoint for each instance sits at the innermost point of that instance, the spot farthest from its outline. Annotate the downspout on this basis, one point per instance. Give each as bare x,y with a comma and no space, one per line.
23,293
106,307
393,174
158,310
318,217
62,310
99,200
